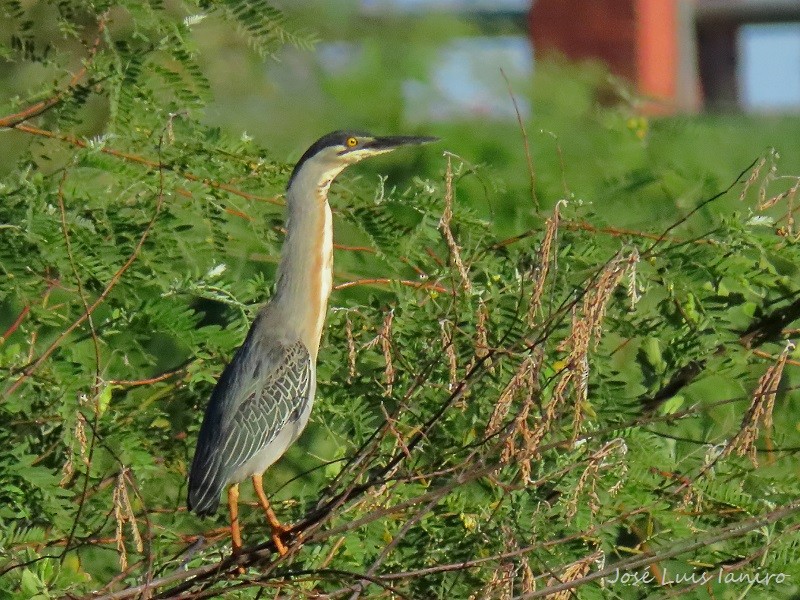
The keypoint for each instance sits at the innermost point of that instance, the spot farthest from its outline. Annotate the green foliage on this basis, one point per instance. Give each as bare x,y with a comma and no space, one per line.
495,414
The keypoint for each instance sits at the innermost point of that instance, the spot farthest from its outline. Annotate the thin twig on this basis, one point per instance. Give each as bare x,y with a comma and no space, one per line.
526,144
39,108
420,285
100,299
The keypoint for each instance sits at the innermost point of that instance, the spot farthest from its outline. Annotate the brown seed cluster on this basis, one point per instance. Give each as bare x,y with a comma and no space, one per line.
759,414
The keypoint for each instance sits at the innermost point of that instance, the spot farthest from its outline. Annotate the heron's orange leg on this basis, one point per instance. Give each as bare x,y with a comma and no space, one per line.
277,528
233,506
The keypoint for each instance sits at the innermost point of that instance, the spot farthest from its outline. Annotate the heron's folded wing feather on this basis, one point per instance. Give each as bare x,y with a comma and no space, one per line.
272,401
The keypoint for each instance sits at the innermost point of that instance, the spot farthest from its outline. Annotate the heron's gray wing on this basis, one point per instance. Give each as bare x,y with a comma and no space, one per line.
262,390
269,406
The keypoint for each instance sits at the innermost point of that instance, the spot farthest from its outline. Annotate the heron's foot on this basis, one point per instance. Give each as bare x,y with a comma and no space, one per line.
278,533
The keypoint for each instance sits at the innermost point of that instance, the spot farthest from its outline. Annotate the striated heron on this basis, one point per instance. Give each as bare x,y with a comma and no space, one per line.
263,398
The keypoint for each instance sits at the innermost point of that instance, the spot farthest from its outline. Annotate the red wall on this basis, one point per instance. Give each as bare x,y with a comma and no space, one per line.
637,39
587,29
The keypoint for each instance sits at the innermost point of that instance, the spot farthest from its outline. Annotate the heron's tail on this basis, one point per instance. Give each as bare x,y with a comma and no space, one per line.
203,501
205,486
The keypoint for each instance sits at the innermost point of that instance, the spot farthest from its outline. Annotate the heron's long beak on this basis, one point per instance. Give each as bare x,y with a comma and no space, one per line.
395,141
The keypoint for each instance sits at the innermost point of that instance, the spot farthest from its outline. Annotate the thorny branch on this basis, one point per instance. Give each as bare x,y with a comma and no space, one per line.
39,108
87,313
151,164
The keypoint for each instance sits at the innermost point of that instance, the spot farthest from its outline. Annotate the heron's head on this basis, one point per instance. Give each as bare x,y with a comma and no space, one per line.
333,152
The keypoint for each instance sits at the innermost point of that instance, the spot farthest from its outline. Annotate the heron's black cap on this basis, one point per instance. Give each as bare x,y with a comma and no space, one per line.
364,141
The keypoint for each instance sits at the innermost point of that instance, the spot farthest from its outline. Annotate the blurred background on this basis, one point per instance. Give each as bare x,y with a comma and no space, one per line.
680,56
652,102
648,101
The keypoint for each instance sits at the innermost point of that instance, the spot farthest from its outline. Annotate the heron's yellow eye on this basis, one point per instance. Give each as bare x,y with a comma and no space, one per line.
351,142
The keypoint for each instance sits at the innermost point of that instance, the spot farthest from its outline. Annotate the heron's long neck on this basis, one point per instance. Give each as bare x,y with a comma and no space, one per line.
305,269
